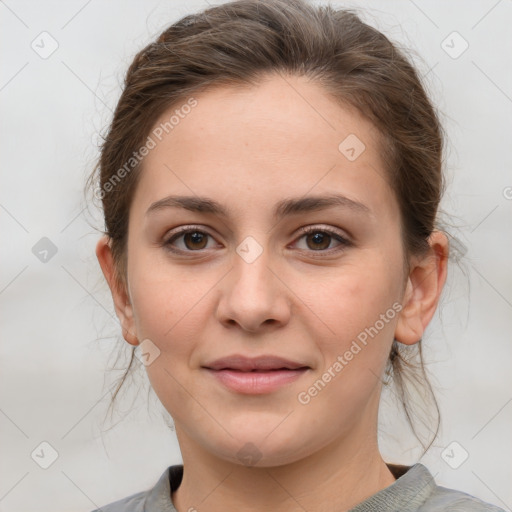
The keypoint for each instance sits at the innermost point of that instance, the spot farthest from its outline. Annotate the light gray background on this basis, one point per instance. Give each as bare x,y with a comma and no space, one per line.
58,333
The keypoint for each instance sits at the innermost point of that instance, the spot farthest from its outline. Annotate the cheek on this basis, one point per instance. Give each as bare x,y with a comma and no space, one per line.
357,304
353,297
164,297
169,312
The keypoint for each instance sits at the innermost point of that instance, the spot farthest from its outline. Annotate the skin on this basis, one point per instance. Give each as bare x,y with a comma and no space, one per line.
248,149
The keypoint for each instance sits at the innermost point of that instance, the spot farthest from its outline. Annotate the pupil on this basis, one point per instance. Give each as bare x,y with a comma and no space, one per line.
196,238
318,238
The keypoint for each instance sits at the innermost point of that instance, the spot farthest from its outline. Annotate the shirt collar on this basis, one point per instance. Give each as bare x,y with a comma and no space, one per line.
408,492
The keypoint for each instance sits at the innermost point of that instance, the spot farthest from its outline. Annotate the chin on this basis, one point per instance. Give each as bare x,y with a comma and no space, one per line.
262,449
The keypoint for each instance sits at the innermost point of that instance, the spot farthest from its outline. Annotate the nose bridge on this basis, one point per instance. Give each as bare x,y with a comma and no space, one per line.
252,276
253,295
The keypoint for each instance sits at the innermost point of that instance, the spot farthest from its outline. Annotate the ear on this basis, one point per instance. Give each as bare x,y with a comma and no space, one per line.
120,295
423,290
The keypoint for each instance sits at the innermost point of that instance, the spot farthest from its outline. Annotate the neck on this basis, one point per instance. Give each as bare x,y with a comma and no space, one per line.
342,474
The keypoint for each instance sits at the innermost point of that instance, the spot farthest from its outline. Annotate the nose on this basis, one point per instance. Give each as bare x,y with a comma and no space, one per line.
254,296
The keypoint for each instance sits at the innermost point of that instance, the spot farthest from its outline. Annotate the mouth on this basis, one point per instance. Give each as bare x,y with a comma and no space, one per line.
259,375
263,363
261,371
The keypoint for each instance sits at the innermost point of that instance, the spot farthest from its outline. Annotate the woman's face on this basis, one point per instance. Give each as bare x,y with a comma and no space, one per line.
248,282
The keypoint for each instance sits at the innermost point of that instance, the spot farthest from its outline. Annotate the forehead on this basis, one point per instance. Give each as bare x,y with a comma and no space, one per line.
284,135
278,113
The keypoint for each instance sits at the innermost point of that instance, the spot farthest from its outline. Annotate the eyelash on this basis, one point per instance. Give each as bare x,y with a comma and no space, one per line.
344,242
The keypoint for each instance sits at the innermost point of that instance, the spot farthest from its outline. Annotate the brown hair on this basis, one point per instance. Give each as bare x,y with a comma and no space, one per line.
235,44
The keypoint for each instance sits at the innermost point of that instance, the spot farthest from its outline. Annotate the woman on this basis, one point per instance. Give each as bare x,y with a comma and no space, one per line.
270,185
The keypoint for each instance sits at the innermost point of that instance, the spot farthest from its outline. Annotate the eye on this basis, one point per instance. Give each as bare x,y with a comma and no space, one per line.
191,240
320,240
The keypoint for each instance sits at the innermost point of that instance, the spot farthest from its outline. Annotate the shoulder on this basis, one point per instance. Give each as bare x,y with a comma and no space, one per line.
132,503
443,499
416,490
156,499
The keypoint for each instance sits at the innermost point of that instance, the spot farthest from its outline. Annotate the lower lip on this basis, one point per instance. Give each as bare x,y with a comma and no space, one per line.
256,383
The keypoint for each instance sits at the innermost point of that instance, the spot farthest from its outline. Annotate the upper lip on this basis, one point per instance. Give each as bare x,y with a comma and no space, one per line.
243,363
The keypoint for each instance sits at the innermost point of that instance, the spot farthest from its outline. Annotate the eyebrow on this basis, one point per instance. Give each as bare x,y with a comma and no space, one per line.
286,207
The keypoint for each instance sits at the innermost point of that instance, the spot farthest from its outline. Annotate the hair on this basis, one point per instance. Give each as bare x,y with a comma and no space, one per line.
236,44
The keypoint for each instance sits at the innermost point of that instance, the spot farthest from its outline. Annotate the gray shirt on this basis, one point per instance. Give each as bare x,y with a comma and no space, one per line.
414,491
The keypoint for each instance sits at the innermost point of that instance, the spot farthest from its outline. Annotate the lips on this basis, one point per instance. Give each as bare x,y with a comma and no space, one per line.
256,376
261,363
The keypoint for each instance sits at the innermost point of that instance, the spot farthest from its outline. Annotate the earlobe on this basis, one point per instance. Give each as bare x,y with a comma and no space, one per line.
120,296
409,329
424,286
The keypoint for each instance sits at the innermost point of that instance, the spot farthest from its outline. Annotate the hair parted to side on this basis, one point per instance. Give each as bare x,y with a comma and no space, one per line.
240,42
